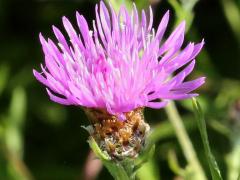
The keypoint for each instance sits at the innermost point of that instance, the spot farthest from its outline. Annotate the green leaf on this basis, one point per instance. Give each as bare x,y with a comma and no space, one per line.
215,172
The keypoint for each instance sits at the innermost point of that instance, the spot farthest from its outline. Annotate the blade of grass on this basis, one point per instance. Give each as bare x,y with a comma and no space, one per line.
215,172
184,141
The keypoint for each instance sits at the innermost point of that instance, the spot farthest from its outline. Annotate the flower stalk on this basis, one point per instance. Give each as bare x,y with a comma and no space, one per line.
184,141
120,170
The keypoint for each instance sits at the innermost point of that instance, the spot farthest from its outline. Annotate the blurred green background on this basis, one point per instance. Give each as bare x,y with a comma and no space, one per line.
42,140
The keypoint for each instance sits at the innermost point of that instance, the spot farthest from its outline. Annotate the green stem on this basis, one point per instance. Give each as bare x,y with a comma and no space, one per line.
120,170
117,171
184,141
123,170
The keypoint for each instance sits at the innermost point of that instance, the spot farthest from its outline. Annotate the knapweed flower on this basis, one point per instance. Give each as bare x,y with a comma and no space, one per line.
120,66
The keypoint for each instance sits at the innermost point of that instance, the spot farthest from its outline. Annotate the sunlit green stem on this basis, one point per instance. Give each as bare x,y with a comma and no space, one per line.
184,141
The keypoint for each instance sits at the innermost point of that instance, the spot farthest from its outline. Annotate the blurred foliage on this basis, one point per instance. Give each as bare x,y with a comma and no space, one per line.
232,14
43,140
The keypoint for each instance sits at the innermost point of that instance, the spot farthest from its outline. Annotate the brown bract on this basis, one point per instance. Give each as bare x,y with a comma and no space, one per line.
119,139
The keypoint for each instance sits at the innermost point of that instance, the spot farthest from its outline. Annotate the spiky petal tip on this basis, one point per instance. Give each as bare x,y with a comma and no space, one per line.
121,65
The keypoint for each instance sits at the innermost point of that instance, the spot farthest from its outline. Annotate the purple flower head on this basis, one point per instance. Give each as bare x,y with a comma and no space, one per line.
120,65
